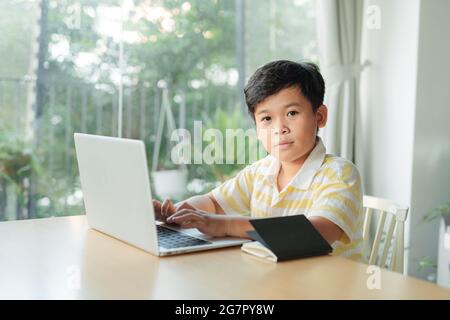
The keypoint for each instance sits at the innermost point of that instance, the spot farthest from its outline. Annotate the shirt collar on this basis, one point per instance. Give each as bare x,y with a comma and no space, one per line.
304,177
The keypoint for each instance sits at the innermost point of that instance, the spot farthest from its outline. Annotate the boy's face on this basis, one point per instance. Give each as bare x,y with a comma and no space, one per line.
286,124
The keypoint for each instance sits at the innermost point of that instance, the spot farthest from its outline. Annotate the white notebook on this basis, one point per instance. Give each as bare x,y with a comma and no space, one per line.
285,238
257,249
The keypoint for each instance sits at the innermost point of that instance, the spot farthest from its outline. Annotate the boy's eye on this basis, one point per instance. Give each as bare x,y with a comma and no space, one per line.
265,119
292,113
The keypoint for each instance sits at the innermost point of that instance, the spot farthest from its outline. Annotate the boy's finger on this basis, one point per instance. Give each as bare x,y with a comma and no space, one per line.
165,207
157,210
176,214
156,205
184,205
180,217
172,208
182,212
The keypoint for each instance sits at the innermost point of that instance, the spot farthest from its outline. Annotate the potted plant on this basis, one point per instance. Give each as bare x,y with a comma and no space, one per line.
438,212
441,211
170,182
17,163
169,179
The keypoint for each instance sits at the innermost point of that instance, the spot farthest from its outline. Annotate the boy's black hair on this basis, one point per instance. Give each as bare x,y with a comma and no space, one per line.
278,75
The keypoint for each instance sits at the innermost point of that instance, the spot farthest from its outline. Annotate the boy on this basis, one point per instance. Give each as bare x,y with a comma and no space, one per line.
285,100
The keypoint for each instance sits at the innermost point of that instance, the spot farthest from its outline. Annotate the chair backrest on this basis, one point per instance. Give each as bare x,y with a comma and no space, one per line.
391,217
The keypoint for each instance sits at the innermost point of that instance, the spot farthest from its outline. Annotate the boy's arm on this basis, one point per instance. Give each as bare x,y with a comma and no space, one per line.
204,202
238,226
234,226
207,215
330,231
216,225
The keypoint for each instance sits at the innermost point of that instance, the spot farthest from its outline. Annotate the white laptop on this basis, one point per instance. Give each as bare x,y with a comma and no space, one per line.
118,201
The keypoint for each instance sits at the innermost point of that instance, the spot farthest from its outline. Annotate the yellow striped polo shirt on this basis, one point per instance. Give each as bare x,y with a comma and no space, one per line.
326,186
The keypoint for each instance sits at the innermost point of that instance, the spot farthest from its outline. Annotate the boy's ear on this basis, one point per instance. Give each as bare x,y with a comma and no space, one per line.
321,116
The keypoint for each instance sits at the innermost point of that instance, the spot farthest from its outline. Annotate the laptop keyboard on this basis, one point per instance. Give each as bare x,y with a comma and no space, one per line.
169,239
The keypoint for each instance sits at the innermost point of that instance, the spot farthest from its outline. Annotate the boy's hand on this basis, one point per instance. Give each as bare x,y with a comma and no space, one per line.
165,209
207,223
157,208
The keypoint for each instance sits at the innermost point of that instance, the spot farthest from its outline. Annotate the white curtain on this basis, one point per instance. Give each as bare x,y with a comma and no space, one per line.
339,37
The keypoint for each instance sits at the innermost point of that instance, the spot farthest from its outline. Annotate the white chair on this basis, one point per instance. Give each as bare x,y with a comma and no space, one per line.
397,217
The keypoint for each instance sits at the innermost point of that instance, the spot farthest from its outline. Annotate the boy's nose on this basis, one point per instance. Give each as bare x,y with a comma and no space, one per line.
281,129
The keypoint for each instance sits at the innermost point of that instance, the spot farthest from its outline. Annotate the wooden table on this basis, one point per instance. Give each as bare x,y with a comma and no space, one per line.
61,258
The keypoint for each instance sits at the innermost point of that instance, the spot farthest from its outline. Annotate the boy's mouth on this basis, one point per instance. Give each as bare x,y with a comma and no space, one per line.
284,144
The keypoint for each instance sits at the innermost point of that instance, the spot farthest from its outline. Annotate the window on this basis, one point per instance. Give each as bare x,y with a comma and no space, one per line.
86,66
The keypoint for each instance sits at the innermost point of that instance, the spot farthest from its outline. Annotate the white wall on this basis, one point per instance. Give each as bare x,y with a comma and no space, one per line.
388,97
431,167
404,144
